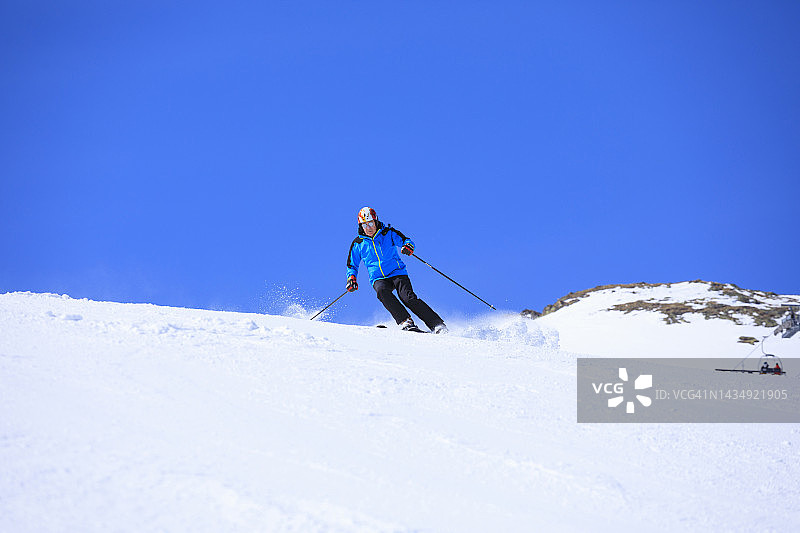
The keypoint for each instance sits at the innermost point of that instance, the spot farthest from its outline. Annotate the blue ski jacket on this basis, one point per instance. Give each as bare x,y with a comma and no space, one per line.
379,253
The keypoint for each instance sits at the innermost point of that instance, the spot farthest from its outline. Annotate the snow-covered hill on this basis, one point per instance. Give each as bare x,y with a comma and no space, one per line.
124,417
688,319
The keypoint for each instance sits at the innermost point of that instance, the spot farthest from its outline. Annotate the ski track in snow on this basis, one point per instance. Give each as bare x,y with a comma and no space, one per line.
133,417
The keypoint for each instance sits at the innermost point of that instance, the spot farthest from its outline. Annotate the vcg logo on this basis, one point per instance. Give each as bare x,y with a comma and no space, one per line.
644,381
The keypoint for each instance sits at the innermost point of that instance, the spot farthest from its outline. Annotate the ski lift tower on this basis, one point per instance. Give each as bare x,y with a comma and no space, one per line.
790,324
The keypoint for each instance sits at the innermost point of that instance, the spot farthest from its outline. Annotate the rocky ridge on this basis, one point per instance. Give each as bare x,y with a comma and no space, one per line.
725,301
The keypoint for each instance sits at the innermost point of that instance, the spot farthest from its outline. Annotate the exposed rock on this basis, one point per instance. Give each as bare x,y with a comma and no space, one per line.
673,312
573,297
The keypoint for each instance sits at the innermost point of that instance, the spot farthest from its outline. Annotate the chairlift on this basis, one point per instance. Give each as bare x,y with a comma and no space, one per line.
767,364
770,363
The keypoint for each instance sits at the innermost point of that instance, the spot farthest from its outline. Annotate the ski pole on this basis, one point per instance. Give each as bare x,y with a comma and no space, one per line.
454,281
327,306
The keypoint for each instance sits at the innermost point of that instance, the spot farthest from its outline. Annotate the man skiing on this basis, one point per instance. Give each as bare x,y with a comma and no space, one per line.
377,245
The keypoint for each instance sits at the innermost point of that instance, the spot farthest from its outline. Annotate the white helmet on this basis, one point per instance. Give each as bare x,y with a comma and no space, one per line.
367,214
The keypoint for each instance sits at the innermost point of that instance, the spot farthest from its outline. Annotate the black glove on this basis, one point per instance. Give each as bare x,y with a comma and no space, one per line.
352,284
407,249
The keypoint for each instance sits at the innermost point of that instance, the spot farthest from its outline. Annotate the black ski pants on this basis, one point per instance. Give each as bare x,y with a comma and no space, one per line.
402,284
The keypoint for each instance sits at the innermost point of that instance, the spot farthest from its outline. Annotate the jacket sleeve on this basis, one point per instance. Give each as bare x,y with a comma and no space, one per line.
353,258
398,239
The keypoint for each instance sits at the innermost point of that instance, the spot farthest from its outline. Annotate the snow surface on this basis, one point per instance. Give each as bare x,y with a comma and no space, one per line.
131,417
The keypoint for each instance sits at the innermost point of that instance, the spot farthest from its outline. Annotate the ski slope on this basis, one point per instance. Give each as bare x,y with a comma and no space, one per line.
131,417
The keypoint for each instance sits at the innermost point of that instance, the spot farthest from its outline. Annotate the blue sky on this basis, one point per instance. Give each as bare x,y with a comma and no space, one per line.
210,155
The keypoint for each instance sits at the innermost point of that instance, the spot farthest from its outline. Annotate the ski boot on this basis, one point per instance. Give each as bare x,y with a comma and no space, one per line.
408,325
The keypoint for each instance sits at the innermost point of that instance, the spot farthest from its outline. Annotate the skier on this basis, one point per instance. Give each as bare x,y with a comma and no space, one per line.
376,245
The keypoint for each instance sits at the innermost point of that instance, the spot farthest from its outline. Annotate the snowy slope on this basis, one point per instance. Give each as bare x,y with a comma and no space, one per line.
122,417
591,325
